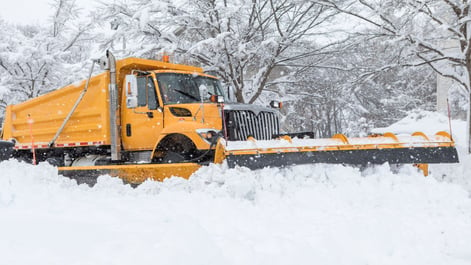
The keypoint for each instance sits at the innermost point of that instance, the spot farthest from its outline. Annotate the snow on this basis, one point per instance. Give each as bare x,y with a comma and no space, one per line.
36,11
324,214
297,143
429,123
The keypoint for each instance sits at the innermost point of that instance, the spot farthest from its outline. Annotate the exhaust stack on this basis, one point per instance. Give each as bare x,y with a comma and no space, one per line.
114,110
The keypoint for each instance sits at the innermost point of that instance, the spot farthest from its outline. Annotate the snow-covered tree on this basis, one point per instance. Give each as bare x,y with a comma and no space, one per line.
348,91
333,78
420,26
242,41
35,59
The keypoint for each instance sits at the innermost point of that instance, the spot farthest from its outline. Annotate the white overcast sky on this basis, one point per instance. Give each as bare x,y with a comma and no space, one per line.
32,11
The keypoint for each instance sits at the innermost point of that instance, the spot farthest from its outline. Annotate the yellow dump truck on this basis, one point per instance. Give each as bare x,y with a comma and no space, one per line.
144,119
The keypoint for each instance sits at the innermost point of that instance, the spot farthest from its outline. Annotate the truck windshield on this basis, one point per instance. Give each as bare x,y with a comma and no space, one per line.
186,88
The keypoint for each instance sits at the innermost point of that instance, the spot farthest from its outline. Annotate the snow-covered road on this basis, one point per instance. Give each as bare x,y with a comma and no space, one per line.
311,214
316,214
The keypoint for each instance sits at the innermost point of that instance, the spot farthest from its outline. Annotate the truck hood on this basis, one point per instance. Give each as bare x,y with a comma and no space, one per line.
254,108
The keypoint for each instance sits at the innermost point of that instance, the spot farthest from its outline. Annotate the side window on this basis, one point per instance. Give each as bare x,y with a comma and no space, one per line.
141,91
151,96
146,93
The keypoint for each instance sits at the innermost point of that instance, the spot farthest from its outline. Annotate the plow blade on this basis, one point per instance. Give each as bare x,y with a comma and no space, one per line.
414,149
133,174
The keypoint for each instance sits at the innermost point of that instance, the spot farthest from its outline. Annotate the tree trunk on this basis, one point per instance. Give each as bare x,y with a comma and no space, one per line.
466,32
239,95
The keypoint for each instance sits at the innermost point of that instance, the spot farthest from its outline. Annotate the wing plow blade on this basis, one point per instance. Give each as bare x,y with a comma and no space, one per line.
411,149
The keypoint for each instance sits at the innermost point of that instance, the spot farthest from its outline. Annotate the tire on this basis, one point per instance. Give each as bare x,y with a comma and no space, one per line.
176,148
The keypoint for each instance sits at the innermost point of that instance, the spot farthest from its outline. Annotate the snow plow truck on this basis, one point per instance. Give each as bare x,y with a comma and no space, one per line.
146,119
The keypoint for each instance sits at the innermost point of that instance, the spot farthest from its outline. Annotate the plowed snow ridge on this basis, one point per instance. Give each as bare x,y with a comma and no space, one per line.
316,214
319,214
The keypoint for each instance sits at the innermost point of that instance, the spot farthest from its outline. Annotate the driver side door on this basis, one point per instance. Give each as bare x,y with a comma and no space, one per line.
141,126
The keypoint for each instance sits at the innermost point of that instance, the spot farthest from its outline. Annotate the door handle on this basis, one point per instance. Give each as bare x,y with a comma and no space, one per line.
128,130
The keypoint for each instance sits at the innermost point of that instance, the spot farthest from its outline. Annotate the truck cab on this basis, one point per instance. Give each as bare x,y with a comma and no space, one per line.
170,111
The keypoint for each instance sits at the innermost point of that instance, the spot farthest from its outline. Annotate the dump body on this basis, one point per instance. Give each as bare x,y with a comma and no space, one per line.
43,116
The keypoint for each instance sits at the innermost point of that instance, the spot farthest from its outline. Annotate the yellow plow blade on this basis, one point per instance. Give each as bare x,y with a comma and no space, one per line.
414,149
133,174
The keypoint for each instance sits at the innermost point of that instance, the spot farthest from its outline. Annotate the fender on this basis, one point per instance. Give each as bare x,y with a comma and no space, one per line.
187,128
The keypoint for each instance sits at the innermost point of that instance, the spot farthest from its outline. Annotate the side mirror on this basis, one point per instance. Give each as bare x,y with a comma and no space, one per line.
131,91
203,92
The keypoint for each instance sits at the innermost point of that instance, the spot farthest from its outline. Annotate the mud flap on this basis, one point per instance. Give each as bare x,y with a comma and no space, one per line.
6,150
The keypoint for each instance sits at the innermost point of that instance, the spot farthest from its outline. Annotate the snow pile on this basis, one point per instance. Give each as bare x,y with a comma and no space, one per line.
429,123
298,215
326,214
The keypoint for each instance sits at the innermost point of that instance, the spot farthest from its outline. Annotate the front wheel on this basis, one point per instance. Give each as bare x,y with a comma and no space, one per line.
175,148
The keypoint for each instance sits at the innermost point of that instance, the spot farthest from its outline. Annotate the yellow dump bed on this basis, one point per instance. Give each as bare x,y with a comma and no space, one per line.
42,117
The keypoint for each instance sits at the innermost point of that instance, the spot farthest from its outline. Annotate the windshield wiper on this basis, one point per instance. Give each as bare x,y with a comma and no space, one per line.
187,94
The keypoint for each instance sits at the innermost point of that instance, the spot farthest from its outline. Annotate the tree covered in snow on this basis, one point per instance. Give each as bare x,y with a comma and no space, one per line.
298,51
427,31
348,91
337,74
243,42
35,59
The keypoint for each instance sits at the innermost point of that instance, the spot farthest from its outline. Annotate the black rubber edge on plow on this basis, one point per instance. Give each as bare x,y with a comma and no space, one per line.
89,176
416,155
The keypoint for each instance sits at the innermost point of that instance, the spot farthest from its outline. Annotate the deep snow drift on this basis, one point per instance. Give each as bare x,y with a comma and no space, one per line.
312,214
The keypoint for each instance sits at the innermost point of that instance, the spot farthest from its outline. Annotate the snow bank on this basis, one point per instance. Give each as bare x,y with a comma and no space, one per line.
299,215
429,123
325,214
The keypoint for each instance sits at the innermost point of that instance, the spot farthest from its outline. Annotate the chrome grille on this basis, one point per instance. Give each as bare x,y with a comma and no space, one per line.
241,124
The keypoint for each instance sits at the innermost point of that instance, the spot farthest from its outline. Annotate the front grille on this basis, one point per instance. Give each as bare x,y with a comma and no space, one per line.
241,124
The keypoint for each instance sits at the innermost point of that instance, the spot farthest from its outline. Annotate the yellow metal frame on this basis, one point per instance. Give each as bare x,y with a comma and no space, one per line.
139,173
391,143
423,168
